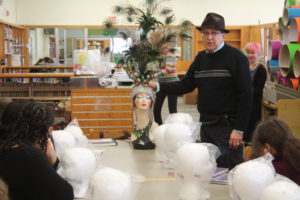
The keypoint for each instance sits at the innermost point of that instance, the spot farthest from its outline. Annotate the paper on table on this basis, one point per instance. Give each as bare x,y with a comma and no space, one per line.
220,176
104,142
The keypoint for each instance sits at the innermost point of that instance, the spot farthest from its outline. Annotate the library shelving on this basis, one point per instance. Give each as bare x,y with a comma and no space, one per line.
12,45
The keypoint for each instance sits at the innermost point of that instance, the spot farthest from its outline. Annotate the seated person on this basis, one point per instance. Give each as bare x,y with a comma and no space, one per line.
27,153
275,136
43,61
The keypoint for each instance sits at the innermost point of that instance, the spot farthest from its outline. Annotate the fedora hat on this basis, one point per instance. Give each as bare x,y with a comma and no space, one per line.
214,21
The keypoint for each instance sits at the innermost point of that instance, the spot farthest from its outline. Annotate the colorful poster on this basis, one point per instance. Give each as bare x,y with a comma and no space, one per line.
85,61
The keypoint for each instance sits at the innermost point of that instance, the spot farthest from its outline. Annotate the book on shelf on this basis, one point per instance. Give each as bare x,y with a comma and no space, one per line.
103,142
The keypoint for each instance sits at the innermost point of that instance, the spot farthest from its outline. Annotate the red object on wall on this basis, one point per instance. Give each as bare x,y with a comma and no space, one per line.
7,13
112,19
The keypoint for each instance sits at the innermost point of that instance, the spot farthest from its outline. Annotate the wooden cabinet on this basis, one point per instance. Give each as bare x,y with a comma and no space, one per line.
287,110
12,45
100,44
237,37
103,112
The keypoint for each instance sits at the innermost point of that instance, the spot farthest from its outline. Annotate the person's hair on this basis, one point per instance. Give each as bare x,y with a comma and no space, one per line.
10,116
48,60
3,102
30,127
39,61
254,46
279,136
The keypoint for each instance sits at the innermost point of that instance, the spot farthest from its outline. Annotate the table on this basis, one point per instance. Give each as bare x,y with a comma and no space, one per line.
158,185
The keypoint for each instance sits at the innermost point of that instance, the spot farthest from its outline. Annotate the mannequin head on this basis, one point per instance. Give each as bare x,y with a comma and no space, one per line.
250,178
281,190
77,166
111,184
142,95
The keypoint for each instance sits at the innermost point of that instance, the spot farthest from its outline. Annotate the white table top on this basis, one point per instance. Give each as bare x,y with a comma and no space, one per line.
158,185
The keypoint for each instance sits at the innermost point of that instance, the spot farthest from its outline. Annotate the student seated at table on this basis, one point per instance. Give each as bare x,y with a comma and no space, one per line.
275,136
27,155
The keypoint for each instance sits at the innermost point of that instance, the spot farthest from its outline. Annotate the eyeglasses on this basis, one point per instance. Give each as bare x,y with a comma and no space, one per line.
213,34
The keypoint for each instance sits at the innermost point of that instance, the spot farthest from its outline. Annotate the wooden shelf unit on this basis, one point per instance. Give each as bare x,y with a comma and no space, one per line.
21,74
106,112
12,45
100,44
26,69
48,93
237,37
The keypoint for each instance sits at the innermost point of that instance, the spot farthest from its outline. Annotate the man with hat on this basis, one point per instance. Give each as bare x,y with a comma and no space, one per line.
221,75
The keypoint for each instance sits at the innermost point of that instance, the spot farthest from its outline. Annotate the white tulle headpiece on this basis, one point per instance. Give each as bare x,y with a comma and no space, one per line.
249,179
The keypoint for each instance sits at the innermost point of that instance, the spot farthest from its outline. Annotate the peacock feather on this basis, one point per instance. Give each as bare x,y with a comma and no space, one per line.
143,51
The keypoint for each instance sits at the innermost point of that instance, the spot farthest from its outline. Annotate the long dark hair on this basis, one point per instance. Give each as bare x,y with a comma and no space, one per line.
30,127
278,135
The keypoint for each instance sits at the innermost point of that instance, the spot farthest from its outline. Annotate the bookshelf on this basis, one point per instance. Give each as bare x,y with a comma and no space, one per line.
12,46
100,44
44,87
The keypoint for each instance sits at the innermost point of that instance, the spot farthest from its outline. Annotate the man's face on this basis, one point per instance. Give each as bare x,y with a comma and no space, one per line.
212,38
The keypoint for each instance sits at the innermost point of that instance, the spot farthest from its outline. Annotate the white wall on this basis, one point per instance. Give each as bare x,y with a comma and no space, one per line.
93,12
8,5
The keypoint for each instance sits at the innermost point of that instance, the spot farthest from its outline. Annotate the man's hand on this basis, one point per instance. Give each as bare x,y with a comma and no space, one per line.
236,139
153,85
136,83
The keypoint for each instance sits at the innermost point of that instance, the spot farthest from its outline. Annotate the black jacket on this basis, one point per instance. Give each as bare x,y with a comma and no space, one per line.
258,84
223,82
30,176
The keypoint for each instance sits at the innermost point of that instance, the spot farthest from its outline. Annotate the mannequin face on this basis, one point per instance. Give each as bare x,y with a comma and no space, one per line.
142,101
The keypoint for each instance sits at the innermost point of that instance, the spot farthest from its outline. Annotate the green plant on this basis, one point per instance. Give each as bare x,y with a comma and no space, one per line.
144,51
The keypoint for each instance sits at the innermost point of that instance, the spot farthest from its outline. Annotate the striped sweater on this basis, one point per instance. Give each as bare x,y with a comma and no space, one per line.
169,66
223,82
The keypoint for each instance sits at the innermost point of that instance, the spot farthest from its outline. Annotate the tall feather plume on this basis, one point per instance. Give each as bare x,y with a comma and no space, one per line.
142,52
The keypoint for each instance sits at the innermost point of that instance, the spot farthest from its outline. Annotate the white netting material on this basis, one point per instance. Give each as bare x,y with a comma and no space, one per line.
77,166
62,141
111,184
196,163
282,189
176,134
248,180
187,119
158,134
